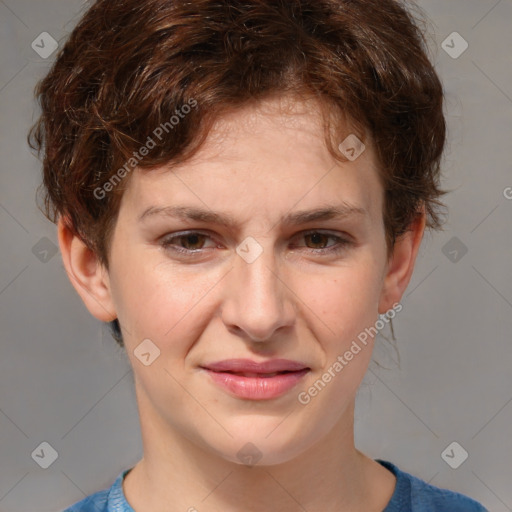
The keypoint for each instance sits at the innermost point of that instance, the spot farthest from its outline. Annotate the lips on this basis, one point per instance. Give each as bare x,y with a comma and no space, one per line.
249,380
255,375
248,368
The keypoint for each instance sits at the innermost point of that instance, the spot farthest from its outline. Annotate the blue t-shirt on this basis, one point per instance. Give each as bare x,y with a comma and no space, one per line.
411,495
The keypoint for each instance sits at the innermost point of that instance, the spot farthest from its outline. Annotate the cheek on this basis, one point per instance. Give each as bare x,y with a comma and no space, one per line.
345,300
347,309
160,302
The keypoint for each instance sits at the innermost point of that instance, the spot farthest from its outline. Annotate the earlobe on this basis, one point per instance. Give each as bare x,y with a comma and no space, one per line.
401,264
87,275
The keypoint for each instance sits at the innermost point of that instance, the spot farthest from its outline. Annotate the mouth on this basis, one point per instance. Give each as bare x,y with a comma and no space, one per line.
258,375
247,366
256,381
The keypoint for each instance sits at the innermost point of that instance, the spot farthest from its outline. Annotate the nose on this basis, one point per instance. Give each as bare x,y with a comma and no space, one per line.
258,299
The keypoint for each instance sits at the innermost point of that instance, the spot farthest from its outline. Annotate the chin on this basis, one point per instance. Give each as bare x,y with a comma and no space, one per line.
262,443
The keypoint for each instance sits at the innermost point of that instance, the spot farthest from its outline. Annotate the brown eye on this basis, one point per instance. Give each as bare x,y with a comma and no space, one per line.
317,242
191,242
318,239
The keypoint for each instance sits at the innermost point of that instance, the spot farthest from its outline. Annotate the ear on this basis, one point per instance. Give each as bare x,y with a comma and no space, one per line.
88,276
401,263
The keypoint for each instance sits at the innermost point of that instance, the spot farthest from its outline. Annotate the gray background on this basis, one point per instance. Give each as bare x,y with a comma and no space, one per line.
64,381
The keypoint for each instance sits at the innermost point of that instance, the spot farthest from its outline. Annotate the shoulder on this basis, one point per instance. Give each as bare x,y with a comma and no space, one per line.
97,502
107,500
415,495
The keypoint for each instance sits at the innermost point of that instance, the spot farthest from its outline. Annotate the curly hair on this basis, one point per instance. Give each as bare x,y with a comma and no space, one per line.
133,67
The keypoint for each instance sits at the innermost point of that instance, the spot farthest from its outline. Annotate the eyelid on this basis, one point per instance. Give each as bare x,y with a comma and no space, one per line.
180,234
343,240
335,234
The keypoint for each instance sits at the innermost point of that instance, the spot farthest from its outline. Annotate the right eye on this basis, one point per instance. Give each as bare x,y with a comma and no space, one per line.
190,242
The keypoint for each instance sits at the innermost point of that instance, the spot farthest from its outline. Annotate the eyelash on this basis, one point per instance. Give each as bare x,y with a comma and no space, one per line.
342,243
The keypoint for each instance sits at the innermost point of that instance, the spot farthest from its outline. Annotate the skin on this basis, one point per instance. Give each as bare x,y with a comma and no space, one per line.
258,164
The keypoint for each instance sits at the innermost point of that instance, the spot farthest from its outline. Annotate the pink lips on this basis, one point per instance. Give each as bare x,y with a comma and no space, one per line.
256,381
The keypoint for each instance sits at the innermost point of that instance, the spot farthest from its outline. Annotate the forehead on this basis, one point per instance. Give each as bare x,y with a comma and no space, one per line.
267,158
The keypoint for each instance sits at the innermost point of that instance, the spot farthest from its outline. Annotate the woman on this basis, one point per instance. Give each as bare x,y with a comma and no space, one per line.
241,189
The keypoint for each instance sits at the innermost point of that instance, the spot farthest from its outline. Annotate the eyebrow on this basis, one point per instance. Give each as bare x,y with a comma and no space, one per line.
340,211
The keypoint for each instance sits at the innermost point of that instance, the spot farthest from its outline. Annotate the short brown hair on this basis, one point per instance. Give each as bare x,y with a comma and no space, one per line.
129,66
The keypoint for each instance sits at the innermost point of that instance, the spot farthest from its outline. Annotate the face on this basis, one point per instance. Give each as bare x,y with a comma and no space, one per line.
266,284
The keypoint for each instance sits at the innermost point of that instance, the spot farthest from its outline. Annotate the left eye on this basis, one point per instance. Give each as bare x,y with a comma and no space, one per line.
317,237
193,241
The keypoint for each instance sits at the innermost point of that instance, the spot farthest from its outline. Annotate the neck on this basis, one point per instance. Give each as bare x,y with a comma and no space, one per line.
177,474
